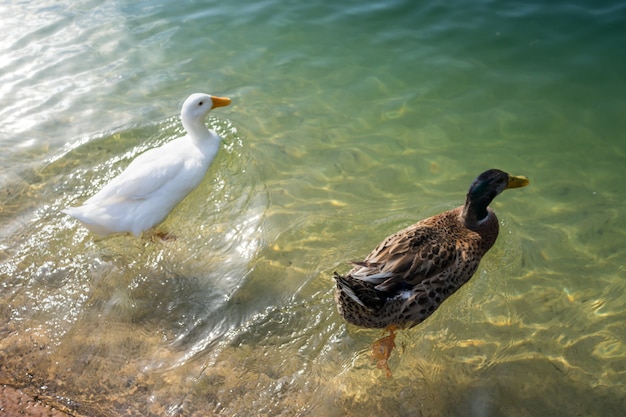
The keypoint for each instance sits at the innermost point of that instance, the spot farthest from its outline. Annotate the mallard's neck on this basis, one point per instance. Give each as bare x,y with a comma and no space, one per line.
475,212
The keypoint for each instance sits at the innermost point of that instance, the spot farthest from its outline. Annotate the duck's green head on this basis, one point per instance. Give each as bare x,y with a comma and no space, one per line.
486,187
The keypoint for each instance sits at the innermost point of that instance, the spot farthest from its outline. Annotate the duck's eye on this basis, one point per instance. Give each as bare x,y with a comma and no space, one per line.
201,103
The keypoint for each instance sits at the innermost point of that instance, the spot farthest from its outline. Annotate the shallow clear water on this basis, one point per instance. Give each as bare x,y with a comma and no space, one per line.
350,120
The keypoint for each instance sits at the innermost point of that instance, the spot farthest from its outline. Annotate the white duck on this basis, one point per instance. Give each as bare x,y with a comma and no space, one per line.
143,195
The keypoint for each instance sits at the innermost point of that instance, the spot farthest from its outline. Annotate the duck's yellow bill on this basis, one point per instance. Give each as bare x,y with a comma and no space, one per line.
517,182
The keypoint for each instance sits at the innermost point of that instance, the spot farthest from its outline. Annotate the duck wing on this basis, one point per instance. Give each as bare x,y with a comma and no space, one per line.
144,176
407,258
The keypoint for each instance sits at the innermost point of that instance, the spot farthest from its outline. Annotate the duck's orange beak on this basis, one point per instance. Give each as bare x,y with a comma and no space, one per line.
220,101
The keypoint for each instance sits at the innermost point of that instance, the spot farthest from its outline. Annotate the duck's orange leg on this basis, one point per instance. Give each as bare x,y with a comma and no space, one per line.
382,348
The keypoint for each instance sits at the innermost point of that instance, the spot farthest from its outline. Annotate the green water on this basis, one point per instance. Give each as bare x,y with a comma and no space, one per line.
350,120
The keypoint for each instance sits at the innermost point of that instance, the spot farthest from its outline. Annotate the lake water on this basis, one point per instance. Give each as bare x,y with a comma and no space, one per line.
350,120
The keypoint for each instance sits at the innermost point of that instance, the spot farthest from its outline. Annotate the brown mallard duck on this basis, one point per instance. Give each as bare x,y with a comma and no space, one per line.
410,273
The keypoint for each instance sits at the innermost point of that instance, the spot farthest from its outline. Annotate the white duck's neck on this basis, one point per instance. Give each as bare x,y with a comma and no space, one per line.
197,130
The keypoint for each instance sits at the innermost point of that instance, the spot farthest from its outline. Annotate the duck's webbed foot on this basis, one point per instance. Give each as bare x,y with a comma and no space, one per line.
382,348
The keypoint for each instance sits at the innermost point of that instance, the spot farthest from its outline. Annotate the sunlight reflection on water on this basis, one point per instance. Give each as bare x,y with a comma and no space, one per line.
348,122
